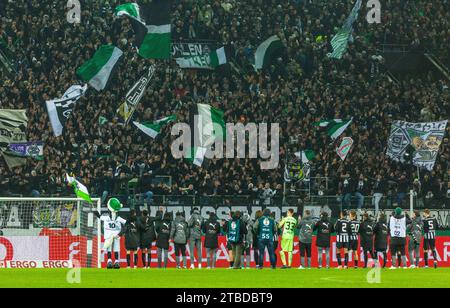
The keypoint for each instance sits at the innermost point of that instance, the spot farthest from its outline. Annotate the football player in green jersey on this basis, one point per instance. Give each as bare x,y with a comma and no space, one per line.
288,224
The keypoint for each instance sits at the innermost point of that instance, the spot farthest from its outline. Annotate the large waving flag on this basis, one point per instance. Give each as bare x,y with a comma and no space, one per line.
98,70
266,51
152,25
152,129
80,190
340,41
207,126
209,61
335,127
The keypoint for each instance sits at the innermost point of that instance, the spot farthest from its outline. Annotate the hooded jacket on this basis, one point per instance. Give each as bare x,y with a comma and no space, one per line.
146,226
180,231
131,235
414,230
381,232
195,225
324,229
305,232
211,228
163,233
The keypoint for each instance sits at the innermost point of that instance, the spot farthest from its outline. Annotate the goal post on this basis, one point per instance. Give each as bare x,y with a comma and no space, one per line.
49,233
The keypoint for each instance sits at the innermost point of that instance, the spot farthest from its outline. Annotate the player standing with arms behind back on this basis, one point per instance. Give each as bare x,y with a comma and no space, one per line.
354,232
342,228
288,224
430,226
324,229
381,231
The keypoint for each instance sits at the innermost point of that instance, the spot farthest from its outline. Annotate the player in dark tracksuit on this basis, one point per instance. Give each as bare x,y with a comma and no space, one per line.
342,228
132,239
211,229
366,232
146,225
381,231
324,229
163,229
353,237
414,230
430,225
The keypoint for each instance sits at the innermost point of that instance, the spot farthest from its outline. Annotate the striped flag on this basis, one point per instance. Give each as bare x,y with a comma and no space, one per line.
98,70
207,126
335,131
340,41
80,190
152,129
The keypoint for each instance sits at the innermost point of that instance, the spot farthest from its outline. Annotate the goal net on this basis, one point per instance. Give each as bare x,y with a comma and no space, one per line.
48,233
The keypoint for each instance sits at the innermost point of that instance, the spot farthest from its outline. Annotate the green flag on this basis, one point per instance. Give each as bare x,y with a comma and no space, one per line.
80,190
98,70
152,129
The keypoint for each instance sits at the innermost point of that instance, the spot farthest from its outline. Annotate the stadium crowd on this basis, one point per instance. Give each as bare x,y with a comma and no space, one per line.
300,87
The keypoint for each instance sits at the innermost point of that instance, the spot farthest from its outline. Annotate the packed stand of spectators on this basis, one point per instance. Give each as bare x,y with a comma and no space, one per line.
300,87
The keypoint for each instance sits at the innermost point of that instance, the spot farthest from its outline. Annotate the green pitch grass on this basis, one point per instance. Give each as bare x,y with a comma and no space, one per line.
224,278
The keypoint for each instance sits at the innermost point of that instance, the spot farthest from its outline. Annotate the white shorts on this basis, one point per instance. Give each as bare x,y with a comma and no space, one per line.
115,246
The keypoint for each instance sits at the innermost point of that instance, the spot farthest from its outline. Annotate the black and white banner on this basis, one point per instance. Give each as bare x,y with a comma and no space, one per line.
191,49
425,138
134,96
59,110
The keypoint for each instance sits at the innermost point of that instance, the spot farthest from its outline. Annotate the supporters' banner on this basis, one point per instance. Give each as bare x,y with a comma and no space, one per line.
345,147
425,138
13,125
300,169
13,118
210,61
134,96
191,49
59,110
28,149
442,249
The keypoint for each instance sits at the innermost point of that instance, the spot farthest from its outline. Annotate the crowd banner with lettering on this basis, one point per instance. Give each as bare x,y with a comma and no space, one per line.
191,49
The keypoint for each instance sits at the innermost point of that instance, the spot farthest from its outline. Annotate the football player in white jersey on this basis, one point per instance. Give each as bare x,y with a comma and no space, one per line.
112,227
397,230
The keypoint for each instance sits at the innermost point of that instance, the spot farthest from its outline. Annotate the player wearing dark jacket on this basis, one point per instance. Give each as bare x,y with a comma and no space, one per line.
132,239
324,229
211,229
366,232
414,231
162,239
146,225
381,232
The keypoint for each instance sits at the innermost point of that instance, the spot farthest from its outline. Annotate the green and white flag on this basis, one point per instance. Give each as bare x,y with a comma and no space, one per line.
266,51
131,10
210,61
152,129
153,37
306,156
80,190
98,70
336,130
335,127
340,41
207,126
